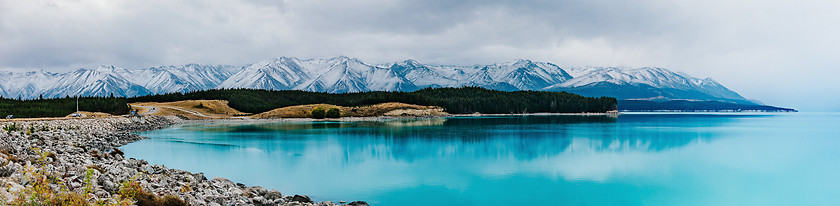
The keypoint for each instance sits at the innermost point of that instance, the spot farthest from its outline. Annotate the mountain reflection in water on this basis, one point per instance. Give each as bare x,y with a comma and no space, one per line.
524,137
383,161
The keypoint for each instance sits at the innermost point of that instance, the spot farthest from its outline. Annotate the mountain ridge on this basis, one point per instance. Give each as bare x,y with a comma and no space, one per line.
344,74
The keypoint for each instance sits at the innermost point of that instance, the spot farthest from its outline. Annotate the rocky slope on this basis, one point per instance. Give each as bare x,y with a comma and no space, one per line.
80,156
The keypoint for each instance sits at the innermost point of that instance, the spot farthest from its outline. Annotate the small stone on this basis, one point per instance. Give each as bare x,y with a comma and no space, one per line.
7,170
110,186
219,182
147,169
236,191
6,195
15,187
260,201
102,194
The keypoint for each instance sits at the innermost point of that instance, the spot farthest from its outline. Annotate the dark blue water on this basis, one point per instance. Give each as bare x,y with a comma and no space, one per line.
634,159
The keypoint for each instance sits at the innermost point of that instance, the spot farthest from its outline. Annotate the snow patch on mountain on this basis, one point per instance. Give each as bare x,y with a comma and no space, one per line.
190,77
343,74
335,75
97,81
647,81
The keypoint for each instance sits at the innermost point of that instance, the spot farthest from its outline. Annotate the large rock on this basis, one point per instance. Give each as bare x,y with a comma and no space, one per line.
219,182
301,198
255,191
7,169
358,203
273,195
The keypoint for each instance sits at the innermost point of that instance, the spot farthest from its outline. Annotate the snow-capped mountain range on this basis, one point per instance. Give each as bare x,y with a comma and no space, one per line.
343,74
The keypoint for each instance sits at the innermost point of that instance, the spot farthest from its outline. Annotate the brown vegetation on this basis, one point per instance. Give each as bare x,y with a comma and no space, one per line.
192,109
383,109
218,109
45,189
133,190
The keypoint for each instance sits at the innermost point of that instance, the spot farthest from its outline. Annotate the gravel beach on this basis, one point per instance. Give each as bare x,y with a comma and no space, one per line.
81,156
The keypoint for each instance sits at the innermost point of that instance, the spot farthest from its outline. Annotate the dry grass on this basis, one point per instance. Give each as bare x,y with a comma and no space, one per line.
383,109
299,111
139,110
163,111
133,190
219,109
209,109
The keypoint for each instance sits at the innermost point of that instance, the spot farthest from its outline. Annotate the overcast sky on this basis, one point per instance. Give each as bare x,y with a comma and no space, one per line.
783,53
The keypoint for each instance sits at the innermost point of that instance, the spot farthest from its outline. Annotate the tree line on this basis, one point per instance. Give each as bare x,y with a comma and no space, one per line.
59,107
691,106
464,100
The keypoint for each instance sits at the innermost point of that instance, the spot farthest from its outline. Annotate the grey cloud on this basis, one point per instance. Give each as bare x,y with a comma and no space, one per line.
750,46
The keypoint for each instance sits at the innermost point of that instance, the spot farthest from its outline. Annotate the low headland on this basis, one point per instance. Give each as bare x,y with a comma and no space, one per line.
219,109
58,156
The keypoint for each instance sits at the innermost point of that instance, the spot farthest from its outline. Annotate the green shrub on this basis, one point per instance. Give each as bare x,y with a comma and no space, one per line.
318,113
333,113
12,127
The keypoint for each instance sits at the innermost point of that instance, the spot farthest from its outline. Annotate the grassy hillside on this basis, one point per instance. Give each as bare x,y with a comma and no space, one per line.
192,109
383,109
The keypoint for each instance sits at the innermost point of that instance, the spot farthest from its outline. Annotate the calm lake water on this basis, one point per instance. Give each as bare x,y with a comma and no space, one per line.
634,159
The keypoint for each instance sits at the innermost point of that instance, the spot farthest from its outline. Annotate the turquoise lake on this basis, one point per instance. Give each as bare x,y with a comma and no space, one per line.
632,159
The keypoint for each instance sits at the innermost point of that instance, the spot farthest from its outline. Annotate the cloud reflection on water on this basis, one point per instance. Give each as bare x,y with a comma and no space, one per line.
453,153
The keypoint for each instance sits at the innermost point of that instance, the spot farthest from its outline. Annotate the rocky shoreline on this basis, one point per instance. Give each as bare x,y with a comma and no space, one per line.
80,156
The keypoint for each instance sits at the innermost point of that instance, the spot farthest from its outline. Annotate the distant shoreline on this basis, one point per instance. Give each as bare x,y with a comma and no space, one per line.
713,111
386,117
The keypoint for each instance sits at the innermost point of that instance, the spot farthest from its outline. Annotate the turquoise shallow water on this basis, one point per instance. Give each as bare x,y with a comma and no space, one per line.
635,159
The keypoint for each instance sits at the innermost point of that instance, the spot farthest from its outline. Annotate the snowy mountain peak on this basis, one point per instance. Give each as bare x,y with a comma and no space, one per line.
411,62
105,69
520,62
645,82
341,60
